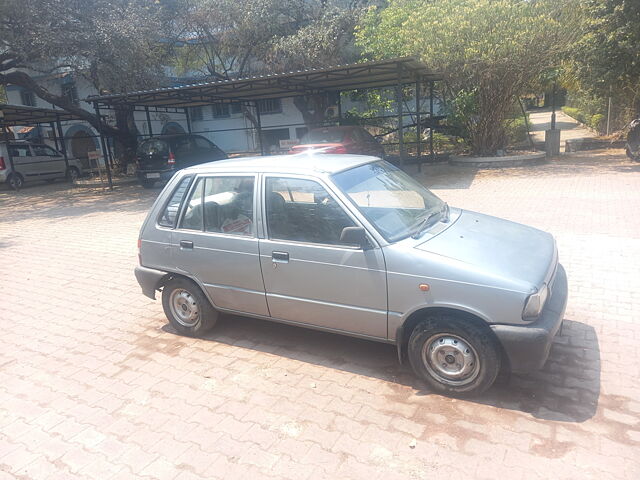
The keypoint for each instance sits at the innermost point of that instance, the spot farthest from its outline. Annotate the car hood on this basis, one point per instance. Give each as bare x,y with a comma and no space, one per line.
504,250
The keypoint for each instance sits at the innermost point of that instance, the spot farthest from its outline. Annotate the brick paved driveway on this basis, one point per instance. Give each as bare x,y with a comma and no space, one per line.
94,384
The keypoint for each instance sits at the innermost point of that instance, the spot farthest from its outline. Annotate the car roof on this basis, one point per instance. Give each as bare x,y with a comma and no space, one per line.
301,163
341,127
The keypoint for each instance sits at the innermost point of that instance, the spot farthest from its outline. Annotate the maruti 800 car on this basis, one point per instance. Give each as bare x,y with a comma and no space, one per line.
351,244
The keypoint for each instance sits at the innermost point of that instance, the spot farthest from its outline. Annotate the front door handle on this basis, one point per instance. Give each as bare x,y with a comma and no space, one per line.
280,257
186,244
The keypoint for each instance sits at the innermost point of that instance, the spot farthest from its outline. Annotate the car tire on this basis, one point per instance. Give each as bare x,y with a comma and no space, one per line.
15,181
147,183
454,355
73,174
186,307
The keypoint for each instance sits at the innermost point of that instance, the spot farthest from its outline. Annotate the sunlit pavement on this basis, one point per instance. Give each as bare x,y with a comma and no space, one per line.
95,384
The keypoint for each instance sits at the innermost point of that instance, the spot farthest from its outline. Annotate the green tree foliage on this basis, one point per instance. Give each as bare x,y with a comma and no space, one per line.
232,39
489,51
605,59
117,45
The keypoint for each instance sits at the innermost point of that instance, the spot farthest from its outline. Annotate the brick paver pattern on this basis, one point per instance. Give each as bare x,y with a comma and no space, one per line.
95,384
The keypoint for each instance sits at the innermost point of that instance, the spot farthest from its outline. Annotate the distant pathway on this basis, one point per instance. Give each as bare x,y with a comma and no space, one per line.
541,121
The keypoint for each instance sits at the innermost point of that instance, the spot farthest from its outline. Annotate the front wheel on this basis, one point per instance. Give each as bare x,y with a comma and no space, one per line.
73,174
453,355
186,307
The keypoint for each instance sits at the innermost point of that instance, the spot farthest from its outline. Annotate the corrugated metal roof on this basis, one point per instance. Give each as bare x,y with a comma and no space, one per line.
290,84
13,115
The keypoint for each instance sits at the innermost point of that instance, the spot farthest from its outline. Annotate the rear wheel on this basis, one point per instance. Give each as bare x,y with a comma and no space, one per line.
186,307
147,183
453,355
15,181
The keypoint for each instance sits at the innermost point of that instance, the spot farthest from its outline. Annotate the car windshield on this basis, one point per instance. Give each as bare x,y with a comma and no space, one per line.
393,202
324,135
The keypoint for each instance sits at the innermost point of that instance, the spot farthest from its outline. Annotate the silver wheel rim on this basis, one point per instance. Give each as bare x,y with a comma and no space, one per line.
184,307
73,174
450,359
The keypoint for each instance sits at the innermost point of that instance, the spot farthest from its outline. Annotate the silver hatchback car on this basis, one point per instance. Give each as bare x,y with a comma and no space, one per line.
351,244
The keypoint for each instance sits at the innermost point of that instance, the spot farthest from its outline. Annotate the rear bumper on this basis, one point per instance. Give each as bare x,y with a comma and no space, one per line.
149,280
527,346
163,175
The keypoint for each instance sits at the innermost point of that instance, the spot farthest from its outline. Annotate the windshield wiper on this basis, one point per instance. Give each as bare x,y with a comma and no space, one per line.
444,212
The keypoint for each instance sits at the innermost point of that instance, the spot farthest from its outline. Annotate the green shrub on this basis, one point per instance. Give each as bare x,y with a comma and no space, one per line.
597,122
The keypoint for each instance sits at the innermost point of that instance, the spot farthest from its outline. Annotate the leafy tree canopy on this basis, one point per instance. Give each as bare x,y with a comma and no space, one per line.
489,51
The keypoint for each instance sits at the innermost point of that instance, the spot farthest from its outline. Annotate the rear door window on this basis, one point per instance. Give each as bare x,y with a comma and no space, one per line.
181,146
170,213
20,150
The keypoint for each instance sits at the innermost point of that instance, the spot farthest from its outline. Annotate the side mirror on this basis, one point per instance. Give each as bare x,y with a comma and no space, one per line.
355,236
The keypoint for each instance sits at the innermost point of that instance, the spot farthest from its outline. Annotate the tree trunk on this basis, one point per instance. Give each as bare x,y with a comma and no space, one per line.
126,144
313,108
23,80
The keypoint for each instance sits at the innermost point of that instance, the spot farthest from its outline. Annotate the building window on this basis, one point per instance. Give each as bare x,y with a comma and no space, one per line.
220,110
270,105
195,114
236,107
70,91
28,98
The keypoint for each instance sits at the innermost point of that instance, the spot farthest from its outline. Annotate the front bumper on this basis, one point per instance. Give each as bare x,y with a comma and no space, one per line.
527,346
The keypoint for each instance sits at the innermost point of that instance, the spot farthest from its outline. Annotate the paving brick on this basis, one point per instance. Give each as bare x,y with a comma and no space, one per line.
103,389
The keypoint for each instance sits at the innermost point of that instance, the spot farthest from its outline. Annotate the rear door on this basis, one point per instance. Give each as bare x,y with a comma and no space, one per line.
216,242
153,154
205,151
23,161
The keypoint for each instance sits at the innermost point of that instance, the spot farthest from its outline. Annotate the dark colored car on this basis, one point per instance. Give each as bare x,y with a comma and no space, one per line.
355,140
160,157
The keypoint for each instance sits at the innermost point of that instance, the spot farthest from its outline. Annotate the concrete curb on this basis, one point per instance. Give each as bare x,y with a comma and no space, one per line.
500,162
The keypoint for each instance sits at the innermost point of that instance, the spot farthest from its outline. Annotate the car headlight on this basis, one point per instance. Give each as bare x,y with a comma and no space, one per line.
535,303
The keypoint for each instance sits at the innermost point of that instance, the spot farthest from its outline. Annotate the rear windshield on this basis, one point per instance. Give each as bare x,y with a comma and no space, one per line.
153,146
324,135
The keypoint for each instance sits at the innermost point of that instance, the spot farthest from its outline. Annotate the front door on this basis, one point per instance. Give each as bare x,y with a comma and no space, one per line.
50,162
310,276
215,242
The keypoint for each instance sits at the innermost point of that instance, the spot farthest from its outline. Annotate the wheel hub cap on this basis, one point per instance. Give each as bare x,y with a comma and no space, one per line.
184,307
450,359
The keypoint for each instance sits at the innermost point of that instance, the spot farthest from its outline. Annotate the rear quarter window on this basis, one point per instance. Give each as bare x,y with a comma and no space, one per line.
169,213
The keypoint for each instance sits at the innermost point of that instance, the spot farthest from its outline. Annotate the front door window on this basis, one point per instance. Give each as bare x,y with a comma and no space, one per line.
302,210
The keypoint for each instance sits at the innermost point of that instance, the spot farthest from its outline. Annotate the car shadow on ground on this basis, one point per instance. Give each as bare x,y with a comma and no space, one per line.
566,389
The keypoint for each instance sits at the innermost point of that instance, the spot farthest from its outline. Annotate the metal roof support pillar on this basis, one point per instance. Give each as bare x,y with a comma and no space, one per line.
146,111
339,108
259,122
188,117
55,136
7,134
418,126
431,152
399,109
104,147
63,146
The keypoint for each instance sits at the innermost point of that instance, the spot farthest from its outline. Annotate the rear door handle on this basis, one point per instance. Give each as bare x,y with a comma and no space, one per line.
186,244
280,257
